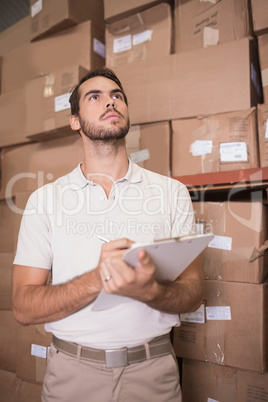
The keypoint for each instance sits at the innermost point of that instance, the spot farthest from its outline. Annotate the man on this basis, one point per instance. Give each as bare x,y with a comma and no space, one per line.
122,353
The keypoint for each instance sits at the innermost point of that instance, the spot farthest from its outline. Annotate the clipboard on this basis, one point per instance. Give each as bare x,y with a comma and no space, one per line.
170,256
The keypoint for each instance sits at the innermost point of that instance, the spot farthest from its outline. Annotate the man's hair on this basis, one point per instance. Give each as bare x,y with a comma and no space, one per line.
95,72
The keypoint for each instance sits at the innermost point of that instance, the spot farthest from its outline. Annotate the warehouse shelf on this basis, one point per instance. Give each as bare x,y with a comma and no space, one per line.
248,179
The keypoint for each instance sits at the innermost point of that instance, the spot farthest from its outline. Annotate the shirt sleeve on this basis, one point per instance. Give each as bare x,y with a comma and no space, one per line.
34,240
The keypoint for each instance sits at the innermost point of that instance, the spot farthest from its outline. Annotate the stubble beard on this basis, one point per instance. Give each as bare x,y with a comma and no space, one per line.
111,135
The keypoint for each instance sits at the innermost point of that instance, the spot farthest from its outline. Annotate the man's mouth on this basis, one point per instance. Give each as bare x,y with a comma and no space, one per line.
110,114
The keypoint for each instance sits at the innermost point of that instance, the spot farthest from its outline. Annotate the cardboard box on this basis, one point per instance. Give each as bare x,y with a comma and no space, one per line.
14,389
262,114
142,36
212,382
7,227
263,55
115,10
215,143
81,45
7,385
214,80
8,348
32,347
29,167
200,24
47,103
148,145
12,117
259,9
6,269
15,36
50,16
231,256
235,329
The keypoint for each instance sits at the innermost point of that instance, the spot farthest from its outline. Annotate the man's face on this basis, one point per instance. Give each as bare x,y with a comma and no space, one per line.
103,114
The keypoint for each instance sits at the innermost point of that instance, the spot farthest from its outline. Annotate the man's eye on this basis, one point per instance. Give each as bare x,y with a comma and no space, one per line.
93,97
117,96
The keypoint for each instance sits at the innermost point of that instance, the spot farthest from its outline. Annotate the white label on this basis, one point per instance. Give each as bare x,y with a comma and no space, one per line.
122,44
142,37
211,36
140,156
212,400
264,77
233,152
39,351
200,147
61,102
98,47
36,8
266,129
218,313
221,242
197,316
211,1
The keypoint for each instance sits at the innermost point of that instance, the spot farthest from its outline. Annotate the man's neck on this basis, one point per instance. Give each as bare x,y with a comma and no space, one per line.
104,163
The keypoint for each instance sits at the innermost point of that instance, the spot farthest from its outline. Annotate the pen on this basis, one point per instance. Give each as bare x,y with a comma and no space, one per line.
103,239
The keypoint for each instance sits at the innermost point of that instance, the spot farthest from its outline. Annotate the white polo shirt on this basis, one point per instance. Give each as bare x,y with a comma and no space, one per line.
59,231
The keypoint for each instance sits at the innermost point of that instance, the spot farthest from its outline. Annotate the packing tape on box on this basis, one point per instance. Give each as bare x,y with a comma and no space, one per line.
257,253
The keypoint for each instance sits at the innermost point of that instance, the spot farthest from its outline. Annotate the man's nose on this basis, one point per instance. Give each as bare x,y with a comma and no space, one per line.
110,103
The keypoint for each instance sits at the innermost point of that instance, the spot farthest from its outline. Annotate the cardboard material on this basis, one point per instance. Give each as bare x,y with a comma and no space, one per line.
200,24
12,117
142,36
148,145
80,44
211,382
32,348
259,16
6,269
228,257
201,82
7,227
115,10
15,36
263,55
233,334
215,143
262,113
29,167
49,16
14,389
8,348
47,103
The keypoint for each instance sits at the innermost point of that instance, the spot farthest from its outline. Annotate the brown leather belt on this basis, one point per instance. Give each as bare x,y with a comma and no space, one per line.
157,347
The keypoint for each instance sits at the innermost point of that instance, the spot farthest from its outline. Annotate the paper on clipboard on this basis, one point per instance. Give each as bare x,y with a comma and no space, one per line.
170,256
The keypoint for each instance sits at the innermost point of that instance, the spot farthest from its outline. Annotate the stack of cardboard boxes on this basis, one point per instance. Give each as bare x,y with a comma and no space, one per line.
195,73
137,33
42,58
228,335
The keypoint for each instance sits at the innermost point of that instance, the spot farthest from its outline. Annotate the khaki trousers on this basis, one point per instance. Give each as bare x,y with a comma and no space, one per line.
70,379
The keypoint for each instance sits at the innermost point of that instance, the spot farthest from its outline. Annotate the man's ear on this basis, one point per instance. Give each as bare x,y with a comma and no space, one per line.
74,123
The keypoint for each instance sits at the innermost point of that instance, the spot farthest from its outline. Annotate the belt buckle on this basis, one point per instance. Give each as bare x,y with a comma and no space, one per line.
116,357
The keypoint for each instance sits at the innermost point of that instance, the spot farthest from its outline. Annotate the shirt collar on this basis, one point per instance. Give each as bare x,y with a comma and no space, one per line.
133,175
